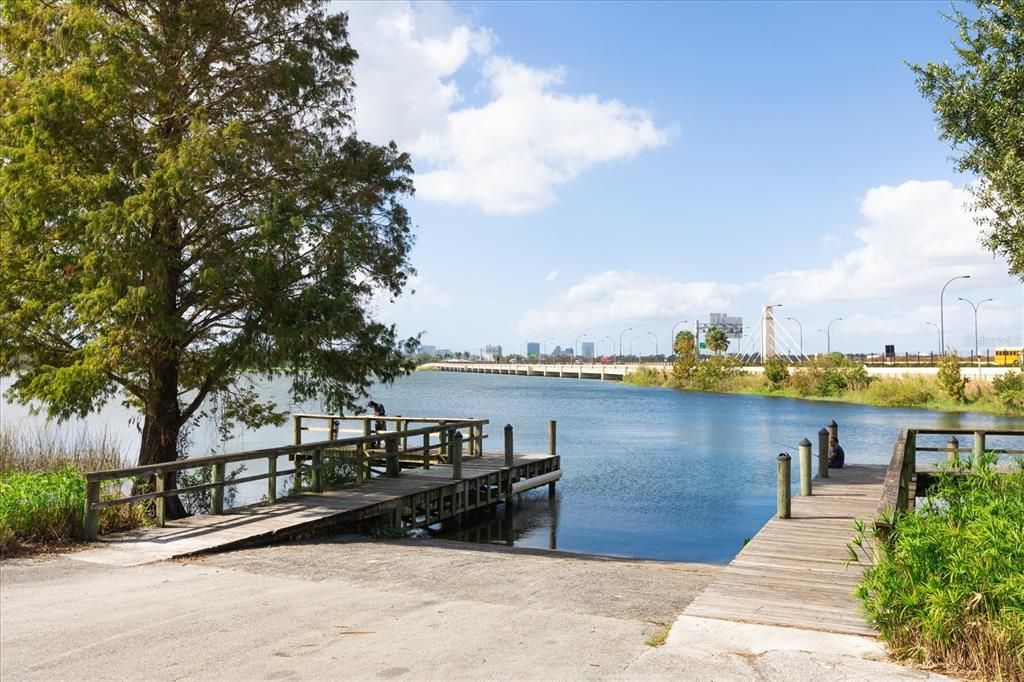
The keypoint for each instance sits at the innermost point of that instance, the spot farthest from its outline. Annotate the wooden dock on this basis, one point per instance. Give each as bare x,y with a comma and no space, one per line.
793,572
419,497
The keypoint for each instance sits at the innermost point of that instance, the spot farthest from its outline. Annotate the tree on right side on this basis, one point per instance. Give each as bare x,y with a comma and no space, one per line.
979,103
717,341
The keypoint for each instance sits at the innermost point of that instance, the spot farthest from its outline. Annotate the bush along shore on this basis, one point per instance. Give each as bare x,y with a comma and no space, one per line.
42,491
946,587
835,377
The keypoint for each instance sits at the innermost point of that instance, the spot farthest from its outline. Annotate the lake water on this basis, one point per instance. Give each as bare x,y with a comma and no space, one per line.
650,473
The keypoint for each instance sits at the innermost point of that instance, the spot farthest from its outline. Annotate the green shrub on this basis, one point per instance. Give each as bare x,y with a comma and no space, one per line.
713,373
950,380
903,392
829,376
775,371
1009,390
646,376
947,587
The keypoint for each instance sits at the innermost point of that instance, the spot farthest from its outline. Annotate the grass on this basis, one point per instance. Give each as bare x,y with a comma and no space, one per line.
42,492
946,589
658,638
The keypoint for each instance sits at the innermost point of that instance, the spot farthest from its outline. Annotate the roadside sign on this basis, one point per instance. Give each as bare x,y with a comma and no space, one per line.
702,346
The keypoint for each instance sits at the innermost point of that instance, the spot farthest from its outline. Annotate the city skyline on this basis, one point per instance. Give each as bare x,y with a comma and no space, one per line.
776,154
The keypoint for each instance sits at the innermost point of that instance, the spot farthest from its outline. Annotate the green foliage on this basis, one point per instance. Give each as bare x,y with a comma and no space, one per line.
946,587
716,340
646,376
198,501
776,373
953,384
1009,390
389,532
900,392
183,204
713,374
829,376
686,357
48,507
979,103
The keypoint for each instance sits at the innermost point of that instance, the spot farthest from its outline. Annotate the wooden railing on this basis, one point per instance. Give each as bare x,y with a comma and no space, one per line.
903,475
307,460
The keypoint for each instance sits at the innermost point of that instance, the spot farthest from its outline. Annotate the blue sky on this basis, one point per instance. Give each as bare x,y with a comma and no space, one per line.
587,167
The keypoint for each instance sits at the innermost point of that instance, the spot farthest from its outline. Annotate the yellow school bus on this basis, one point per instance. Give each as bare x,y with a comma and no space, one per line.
1009,356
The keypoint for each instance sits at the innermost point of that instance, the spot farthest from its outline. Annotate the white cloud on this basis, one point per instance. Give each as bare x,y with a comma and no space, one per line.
506,155
551,276
917,236
624,297
420,295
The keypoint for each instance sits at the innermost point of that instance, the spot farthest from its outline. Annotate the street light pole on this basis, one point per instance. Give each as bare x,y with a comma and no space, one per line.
611,342
575,346
801,333
620,339
672,336
546,344
942,319
631,345
961,298
937,331
655,344
828,335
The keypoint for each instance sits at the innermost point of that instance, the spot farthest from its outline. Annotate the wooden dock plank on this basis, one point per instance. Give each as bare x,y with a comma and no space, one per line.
290,515
793,573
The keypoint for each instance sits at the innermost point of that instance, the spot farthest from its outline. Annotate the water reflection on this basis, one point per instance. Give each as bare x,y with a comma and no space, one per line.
532,517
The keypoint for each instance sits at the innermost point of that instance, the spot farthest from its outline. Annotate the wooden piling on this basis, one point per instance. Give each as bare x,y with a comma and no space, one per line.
91,525
426,450
456,454
823,451
954,449
805,467
979,447
161,501
272,480
833,430
783,485
217,492
297,430
552,440
318,470
392,465
509,452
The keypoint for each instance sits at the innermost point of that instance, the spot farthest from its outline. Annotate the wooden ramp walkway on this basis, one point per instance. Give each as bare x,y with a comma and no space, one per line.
481,485
792,572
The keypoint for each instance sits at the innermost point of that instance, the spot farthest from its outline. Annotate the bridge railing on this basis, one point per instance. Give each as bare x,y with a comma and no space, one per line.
905,479
308,461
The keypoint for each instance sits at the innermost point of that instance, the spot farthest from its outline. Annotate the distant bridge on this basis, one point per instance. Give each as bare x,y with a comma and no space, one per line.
618,372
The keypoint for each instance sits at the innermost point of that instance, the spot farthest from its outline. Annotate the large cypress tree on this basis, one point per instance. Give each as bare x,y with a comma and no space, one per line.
184,203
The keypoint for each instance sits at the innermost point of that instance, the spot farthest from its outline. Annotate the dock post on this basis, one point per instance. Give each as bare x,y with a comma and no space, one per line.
444,441
90,529
393,466
823,453
510,458
472,440
783,484
318,470
456,451
161,502
552,432
403,426
217,492
272,479
954,449
833,430
979,446
332,431
426,450
297,430
805,467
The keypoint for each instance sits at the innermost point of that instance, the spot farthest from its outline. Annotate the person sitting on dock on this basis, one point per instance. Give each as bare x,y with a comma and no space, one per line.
836,455
379,425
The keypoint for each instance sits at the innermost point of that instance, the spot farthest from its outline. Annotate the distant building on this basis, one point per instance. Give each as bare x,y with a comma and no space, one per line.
492,353
429,350
557,350
587,349
532,348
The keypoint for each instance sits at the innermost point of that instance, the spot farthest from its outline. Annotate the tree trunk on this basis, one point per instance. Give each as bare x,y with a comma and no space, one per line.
160,430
